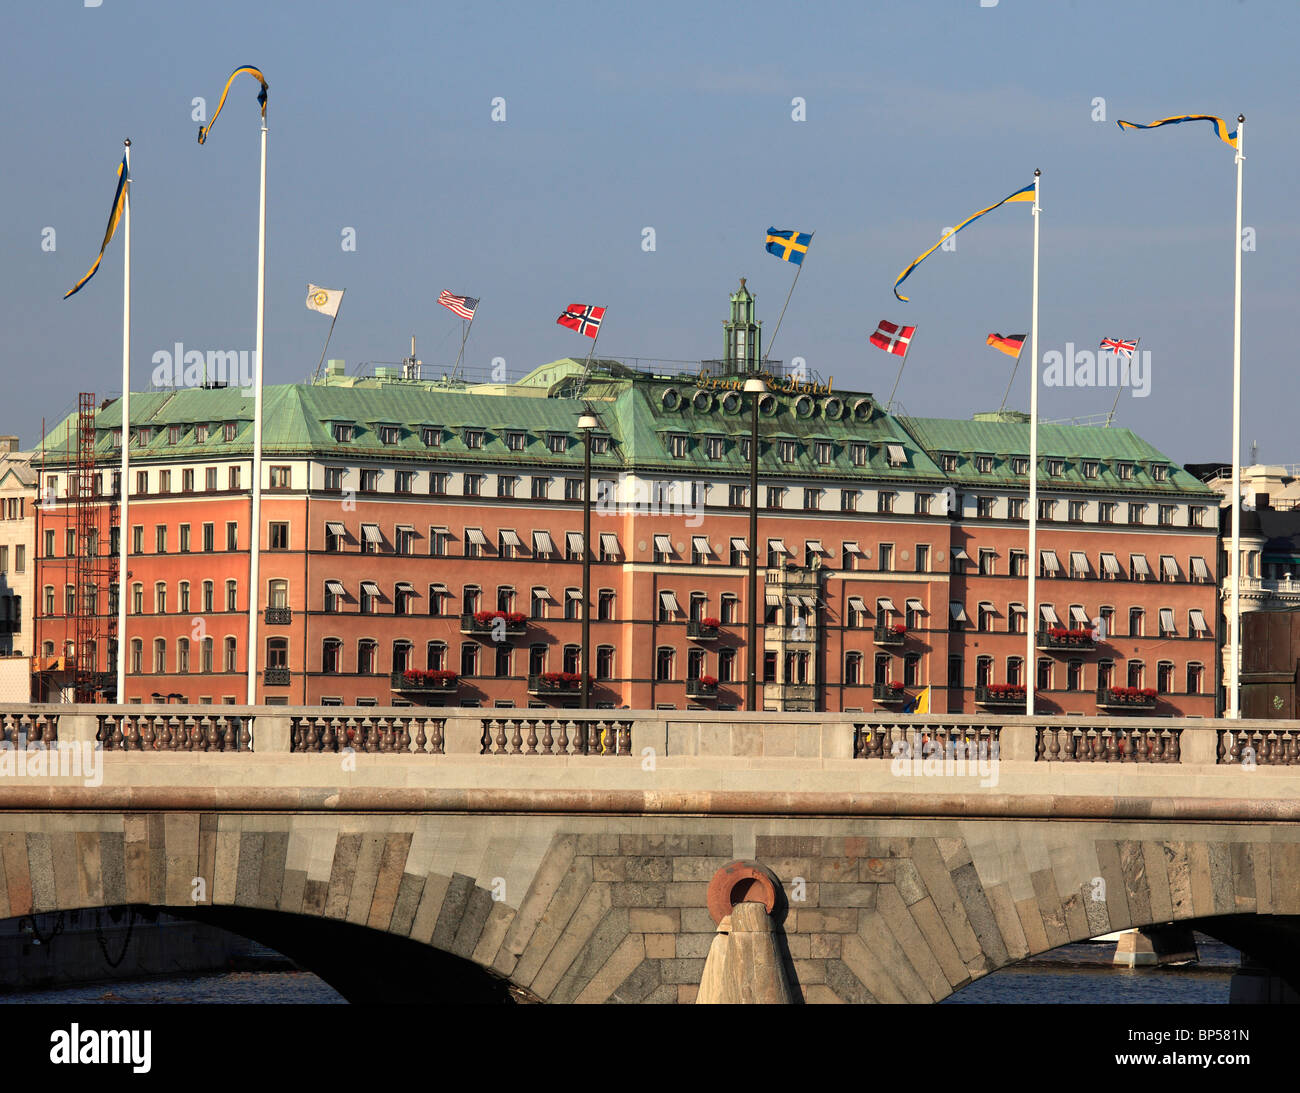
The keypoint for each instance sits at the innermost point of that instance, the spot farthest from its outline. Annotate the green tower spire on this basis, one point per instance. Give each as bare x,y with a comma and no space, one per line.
741,335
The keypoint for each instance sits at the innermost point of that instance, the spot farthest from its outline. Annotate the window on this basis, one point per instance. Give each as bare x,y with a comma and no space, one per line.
984,507
1089,469
677,445
664,657
985,614
431,436
812,499
923,501
730,609
1016,508
232,478
885,501
1159,472
230,654
1136,621
473,485
726,665
948,462
334,478
1164,677
1019,464
1017,618
331,656
185,538
541,487
853,669
1167,627
160,540
1196,516
886,557
988,562
159,598
438,542
1106,512
1046,509
1135,673
208,589
184,596
370,538
367,651
474,438
823,452
858,454
278,536
1019,563
1195,675
370,481
1044,674
775,495
984,463
600,445
507,484
342,432
141,482
573,489
279,478
438,483
956,672
849,500
1075,512
232,536
605,605
1125,471
923,557
1055,467
788,450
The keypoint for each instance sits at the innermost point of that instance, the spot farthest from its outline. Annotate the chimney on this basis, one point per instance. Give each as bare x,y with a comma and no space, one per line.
1261,501
8,444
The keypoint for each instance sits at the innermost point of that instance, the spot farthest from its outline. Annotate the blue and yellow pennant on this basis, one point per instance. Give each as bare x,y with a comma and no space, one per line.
789,246
1220,126
204,130
114,216
1027,194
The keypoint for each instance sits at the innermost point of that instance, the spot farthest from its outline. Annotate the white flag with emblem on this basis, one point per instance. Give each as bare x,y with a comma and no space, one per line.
324,300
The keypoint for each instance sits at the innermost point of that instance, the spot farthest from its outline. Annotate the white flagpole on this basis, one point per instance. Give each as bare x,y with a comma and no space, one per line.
1234,682
333,319
1031,627
124,491
906,350
255,531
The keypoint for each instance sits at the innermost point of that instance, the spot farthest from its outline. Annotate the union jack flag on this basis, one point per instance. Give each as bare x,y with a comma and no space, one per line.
1119,346
583,318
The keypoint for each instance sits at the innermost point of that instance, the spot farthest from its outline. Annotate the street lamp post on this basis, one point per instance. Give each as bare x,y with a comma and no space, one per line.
754,387
587,422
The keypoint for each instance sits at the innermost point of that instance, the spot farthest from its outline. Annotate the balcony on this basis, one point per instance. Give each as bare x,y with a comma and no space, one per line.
555,683
1061,639
892,635
702,629
888,692
414,679
484,623
1001,694
1127,698
276,677
279,616
704,687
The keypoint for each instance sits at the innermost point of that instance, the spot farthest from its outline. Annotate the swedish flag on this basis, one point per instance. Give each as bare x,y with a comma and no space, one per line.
114,216
1220,126
789,246
1026,194
252,70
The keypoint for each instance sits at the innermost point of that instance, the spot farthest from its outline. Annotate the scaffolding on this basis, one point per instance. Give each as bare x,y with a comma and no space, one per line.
94,615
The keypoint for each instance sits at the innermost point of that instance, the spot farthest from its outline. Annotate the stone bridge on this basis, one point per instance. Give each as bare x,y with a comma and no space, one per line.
557,857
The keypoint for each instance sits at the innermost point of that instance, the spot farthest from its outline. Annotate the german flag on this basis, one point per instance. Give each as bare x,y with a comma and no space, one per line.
1010,344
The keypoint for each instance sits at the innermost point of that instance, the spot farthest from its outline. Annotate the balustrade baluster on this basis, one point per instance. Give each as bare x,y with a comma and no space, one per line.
420,738
532,736
625,738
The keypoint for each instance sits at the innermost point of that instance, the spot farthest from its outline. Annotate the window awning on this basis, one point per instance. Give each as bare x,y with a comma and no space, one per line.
663,544
773,600
476,536
740,545
1109,563
542,543
896,453
668,600
1200,570
1048,613
814,546
1050,561
885,604
1140,566
1198,621
403,586
510,538
574,539
335,588
405,527
778,545
916,605
959,555
335,528
856,604
576,594
438,590
1166,620
1078,561
370,533
805,601
852,548
609,542
1169,566
958,612
700,543
1078,614
370,588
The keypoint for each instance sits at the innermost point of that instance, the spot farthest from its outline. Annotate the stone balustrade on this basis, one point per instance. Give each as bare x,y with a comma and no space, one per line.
626,734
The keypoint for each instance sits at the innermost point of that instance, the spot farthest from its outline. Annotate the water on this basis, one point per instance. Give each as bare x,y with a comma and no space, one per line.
1072,974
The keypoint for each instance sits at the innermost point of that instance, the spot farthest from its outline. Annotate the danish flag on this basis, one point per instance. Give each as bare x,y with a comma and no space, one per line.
892,338
583,318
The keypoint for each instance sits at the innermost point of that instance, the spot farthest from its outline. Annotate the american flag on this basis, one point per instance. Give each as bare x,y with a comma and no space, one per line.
1119,346
892,338
583,318
462,305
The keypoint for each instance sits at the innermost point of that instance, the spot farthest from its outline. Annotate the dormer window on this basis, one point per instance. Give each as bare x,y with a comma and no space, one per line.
116,436
1056,467
558,443
174,433
431,436
1019,465
1089,468
342,432
200,432
948,461
473,438
389,434
789,450
823,452
858,454
1159,472
677,445
516,441
1125,471
599,445
229,430
984,463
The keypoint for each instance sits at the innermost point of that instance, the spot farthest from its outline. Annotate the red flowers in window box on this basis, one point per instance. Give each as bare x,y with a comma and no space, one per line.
1133,694
895,685
516,617
710,623
709,681
434,677
1070,636
899,628
484,617
561,680
1006,690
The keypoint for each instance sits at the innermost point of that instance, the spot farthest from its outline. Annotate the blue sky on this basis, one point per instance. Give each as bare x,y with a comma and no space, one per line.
675,116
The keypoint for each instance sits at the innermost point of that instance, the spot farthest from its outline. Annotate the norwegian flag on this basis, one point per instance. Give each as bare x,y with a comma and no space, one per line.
583,318
893,338
1119,346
